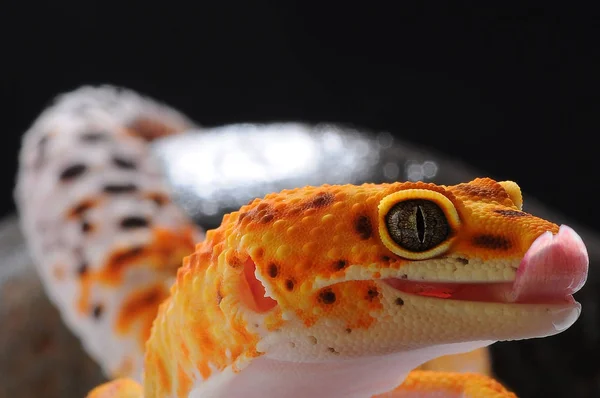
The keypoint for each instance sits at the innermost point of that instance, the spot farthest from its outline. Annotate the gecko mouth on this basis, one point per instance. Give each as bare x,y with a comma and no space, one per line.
551,271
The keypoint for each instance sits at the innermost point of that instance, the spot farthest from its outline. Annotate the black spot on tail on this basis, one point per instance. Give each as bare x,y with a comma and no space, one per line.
123,163
82,269
119,188
97,311
134,222
72,172
86,227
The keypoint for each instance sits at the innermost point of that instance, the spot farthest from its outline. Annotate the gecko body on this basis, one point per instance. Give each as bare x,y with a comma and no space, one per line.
342,290
100,224
335,290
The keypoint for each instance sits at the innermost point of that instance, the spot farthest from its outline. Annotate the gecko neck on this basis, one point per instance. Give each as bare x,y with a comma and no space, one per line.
351,378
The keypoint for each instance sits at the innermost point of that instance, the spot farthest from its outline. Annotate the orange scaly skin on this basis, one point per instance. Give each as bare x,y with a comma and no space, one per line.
291,295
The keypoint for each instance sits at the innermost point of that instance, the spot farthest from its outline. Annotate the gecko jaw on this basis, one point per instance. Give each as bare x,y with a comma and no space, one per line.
551,271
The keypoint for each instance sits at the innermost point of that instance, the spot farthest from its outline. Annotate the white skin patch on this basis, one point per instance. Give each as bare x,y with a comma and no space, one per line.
80,151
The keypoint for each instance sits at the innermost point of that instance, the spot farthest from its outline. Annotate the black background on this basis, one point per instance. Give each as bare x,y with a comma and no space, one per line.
513,92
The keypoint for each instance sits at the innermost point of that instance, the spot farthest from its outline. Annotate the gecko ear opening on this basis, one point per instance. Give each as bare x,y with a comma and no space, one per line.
252,291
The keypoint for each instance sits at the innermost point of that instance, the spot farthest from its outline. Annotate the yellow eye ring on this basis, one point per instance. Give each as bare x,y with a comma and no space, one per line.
417,223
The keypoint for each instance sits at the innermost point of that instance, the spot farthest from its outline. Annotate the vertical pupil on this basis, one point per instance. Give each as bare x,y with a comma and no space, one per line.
420,224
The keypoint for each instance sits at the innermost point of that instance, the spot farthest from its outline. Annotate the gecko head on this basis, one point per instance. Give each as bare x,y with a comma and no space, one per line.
348,271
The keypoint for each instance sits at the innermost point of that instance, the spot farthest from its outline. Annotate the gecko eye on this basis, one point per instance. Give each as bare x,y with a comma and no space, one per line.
417,223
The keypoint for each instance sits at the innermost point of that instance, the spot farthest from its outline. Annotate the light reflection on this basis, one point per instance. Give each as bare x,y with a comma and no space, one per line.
215,170
421,171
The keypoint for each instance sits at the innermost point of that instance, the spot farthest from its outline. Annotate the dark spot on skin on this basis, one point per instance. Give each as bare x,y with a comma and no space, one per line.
462,260
492,242
273,271
363,227
73,171
123,163
332,350
289,284
97,311
82,269
158,198
119,188
322,199
340,265
134,222
348,330
327,296
241,217
122,257
399,301
386,259
81,208
512,213
86,227
372,294
494,192
93,137
262,213
403,276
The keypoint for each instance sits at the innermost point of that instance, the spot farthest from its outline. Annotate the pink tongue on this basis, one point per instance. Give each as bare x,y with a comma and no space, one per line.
554,266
